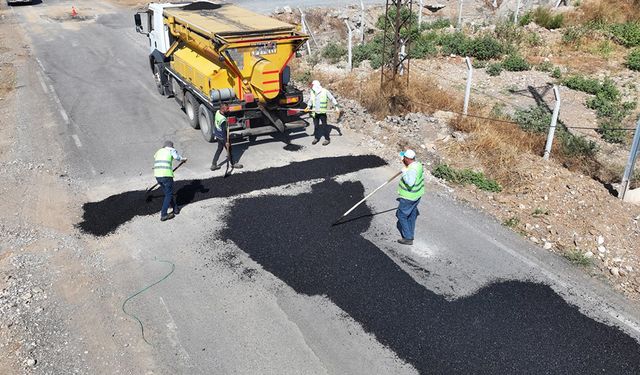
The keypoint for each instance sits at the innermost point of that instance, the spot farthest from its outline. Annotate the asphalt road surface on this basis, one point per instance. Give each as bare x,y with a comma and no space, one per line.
261,282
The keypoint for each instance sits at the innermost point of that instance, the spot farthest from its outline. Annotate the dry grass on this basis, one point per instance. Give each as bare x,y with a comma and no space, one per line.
604,11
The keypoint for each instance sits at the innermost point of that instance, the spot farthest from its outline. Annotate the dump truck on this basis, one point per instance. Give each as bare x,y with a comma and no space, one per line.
205,54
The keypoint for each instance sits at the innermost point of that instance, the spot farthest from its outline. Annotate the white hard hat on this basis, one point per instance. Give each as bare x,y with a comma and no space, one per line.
409,154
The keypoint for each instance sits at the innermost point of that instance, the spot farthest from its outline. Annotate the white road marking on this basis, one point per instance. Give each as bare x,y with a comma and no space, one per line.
40,64
76,140
42,83
172,334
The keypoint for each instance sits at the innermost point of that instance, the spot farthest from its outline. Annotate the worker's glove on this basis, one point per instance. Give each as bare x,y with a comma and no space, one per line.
307,109
184,159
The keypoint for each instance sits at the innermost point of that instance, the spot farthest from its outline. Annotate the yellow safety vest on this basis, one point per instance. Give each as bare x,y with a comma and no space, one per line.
163,165
412,193
324,101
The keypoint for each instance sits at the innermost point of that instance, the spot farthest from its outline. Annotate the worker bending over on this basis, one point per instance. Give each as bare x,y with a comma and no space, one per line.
410,190
318,104
221,133
163,172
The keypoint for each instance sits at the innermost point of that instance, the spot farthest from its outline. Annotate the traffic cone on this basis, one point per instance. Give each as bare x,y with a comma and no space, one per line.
74,12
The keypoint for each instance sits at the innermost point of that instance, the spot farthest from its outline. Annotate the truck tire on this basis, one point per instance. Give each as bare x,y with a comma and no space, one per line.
158,79
176,89
191,105
205,118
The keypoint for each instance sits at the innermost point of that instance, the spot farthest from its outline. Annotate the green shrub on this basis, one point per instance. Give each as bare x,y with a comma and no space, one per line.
526,18
606,89
515,63
556,73
511,222
535,119
627,34
424,46
485,47
334,52
611,132
633,60
545,66
465,177
371,51
441,23
509,33
544,17
573,35
455,44
575,146
577,257
494,69
534,39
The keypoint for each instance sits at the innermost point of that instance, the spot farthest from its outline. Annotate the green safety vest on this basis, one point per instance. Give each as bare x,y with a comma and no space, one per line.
219,120
163,165
324,101
412,193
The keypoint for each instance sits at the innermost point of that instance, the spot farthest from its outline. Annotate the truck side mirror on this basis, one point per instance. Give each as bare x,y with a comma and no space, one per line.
138,21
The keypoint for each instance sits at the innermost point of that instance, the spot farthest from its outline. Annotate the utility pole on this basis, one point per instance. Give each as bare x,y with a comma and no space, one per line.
393,60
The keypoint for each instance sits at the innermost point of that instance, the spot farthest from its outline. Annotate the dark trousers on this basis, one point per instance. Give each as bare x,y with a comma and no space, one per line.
216,156
320,130
167,187
407,214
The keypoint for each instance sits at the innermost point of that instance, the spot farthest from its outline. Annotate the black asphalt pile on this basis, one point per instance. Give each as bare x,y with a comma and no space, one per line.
104,217
509,327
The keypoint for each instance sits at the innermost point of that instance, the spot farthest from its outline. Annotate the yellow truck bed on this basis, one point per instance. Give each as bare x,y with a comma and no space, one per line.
227,19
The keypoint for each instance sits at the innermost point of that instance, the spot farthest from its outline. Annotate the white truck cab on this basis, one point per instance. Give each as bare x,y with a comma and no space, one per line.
156,30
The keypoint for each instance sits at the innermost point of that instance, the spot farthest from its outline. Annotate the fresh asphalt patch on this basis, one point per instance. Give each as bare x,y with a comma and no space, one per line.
507,327
104,217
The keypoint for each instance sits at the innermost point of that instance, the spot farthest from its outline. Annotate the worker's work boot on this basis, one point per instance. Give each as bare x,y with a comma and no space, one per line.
214,167
404,241
315,141
168,217
326,142
176,210
237,166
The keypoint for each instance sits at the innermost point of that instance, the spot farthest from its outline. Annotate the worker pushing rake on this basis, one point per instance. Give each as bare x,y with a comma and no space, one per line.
410,191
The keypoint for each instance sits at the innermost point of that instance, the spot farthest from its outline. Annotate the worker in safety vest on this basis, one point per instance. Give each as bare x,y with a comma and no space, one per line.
410,190
163,172
318,104
221,134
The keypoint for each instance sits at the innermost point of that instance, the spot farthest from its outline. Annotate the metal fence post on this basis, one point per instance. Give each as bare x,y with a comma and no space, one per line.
349,45
362,22
554,121
304,30
628,170
515,17
420,14
467,91
459,26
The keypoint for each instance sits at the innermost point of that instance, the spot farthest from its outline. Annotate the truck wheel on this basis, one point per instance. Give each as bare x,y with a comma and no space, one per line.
206,123
191,109
158,79
178,94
